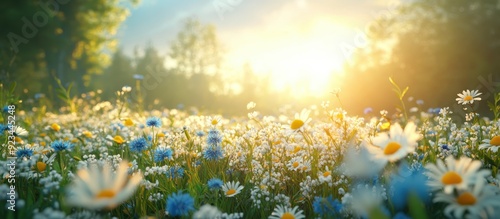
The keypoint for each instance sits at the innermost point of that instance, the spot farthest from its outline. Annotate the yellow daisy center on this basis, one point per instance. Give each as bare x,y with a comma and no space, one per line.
295,164
391,148
326,174
495,141
385,125
231,191
40,166
287,215
466,198
18,140
451,178
105,193
214,121
296,149
296,124
468,98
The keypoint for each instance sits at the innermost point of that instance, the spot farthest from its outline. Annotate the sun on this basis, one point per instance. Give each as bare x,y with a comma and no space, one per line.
306,66
301,59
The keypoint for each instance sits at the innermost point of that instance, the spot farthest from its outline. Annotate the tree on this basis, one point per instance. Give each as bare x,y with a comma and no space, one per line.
118,74
69,39
438,48
197,55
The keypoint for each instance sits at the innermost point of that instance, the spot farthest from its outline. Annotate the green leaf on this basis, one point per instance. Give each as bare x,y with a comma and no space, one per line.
404,92
417,208
13,87
377,213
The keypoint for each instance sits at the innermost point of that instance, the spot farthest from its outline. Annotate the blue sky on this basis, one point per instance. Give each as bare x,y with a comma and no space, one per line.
287,38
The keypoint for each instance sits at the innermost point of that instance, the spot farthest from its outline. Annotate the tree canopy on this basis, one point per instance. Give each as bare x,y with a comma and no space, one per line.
438,48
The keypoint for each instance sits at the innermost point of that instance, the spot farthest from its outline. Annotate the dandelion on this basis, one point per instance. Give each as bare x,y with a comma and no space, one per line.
456,174
284,212
128,122
153,122
138,144
118,139
491,144
300,120
232,188
162,153
179,204
59,145
396,144
101,188
87,134
468,97
477,201
215,183
55,127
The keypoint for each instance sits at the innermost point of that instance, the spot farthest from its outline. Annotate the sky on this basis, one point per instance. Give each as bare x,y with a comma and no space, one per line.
299,42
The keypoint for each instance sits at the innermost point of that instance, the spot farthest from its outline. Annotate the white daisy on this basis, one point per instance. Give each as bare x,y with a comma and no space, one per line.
468,97
19,131
360,163
207,212
99,188
396,144
491,144
325,176
478,201
232,188
455,174
300,120
282,212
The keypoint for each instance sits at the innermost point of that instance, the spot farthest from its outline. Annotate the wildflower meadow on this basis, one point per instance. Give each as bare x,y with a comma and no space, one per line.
110,159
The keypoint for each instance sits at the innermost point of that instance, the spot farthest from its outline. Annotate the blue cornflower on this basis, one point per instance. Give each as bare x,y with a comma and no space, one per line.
39,95
445,147
401,215
175,172
214,137
5,109
200,133
162,153
213,153
179,204
138,76
3,128
326,206
406,182
24,152
215,183
138,144
367,110
434,110
59,145
153,122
